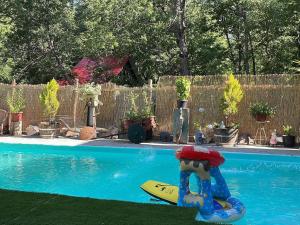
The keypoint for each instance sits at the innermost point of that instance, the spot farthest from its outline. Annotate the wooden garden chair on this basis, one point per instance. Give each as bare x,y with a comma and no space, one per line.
3,117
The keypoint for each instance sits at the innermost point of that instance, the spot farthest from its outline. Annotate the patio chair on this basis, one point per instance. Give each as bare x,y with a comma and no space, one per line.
3,117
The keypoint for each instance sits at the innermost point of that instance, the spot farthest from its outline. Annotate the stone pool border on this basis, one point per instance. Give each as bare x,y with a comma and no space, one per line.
152,145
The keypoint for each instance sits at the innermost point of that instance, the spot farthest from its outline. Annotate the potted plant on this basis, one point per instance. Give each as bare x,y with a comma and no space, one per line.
143,116
288,137
146,114
16,103
261,111
132,114
50,105
183,87
233,94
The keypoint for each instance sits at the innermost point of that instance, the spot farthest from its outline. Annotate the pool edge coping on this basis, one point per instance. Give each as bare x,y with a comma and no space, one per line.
153,145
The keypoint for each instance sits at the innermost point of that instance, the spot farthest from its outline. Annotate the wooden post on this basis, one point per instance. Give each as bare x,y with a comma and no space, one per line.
150,85
10,130
75,102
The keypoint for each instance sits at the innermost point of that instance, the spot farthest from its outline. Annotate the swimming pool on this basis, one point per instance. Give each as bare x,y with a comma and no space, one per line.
268,185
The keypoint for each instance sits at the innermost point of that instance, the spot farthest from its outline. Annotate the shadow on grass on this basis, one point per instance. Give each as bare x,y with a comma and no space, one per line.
23,208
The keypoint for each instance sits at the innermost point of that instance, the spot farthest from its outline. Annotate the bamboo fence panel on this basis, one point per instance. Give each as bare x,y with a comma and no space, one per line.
285,98
116,103
271,79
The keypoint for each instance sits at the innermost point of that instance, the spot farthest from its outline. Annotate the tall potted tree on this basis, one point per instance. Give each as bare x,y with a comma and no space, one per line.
183,88
50,106
232,96
16,103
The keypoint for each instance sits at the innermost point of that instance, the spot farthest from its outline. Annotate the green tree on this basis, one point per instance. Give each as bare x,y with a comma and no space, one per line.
42,39
6,62
136,28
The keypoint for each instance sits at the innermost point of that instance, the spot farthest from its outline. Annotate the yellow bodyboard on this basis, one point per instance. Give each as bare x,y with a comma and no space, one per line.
166,192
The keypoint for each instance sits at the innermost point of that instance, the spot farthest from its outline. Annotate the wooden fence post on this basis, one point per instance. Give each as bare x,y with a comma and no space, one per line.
150,85
13,86
15,127
75,102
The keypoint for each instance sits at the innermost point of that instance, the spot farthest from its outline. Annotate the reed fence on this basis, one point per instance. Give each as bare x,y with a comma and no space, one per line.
281,91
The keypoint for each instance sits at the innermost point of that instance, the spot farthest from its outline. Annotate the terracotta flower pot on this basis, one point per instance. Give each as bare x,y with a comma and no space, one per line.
261,118
17,117
87,133
149,123
127,123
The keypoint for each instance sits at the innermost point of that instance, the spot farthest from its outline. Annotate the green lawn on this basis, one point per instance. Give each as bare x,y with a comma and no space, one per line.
20,208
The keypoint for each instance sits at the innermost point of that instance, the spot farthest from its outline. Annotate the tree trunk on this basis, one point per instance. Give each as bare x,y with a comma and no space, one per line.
298,41
232,58
240,53
181,36
252,55
246,42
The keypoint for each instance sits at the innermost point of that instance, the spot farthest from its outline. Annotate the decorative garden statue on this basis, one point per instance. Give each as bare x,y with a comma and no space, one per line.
91,113
273,139
90,93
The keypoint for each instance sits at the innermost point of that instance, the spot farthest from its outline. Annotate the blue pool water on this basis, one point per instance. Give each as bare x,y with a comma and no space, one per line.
268,185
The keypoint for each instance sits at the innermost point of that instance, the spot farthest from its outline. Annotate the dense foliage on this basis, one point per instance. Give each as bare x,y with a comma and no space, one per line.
43,39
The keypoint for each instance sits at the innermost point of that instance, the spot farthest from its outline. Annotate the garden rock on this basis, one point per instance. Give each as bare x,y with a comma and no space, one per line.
32,130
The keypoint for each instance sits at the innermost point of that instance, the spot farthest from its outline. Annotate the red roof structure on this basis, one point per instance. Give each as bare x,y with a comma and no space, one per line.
86,70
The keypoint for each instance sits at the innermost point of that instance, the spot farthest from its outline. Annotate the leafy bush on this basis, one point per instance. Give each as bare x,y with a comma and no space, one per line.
134,112
183,87
287,130
48,99
15,101
261,108
232,96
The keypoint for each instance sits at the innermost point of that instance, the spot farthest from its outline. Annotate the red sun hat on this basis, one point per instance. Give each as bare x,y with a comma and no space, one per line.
188,152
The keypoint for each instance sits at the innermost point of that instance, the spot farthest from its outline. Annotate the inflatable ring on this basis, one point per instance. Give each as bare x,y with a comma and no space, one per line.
189,152
233,211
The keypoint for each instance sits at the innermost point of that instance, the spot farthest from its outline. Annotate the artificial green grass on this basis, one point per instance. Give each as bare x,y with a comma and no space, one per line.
23,208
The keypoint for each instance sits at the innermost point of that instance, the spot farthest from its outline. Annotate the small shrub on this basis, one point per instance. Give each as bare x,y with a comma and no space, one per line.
134,112
15,101
261,108
287,130
48,99
183,87
146,111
